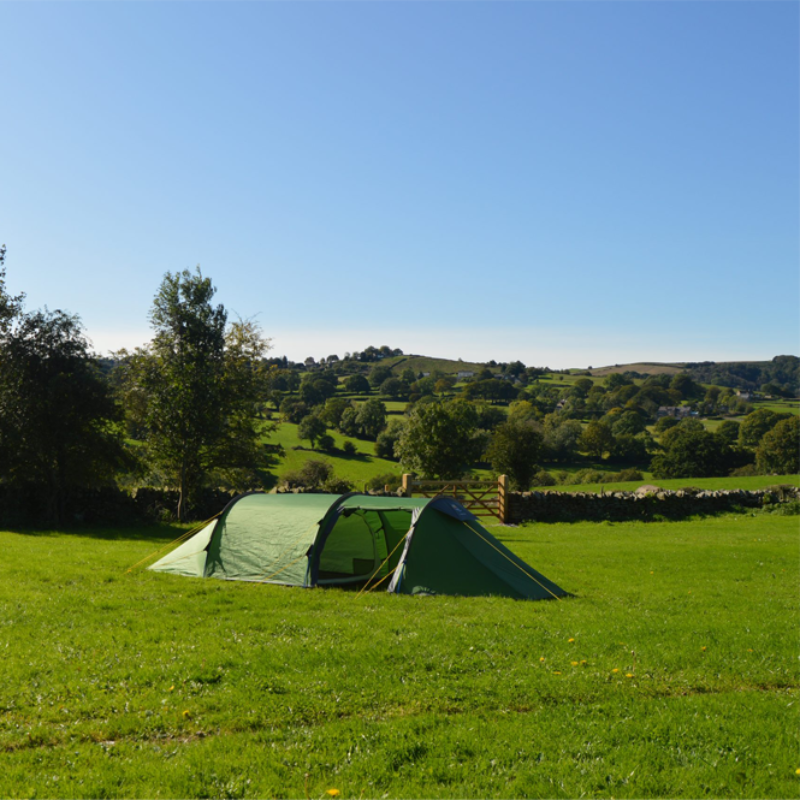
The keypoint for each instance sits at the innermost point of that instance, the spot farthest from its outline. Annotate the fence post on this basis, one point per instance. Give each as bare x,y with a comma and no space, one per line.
502,498
407,485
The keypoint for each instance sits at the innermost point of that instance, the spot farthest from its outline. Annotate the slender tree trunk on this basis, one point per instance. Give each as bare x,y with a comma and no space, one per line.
182,496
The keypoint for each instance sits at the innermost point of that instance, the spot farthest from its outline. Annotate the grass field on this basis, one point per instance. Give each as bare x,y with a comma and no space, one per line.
357,469
672,673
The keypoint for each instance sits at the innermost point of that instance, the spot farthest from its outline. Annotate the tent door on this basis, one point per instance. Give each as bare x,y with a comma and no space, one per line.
354,550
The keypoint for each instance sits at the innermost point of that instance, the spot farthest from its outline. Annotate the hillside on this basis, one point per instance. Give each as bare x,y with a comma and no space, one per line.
429,364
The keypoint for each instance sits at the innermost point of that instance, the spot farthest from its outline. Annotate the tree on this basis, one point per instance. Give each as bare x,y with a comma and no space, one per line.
753,427
440,439
58,420
515,450
200,386
597,439
388,438
684,384
394,388
356,384
312,428
691,452
728,431
561,437
334,408
371,418
378,374
779,450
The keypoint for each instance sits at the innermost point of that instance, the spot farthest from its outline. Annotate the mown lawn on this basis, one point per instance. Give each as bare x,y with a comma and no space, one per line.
673,672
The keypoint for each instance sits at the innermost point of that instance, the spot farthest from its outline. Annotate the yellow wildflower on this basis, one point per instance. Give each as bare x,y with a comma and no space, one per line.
628,674
556,672
186,713
171,688
615,670
570,640
542,658
574,663
333,792
703,647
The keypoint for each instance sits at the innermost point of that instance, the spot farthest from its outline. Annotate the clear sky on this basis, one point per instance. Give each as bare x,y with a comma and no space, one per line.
567,183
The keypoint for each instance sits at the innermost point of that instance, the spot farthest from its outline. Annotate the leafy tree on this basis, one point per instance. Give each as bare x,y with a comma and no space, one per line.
489,417
778,452
615,380
728,431
561,437
665,423
583,385
293,410
388,438
630,449
628,424
356,384
515,449
378,374
57,416
691,452
409,376
371,418
334,408
424,386
394,388
753,427
684,384
597,439
348,422
312,428
440,440
444,385
200,384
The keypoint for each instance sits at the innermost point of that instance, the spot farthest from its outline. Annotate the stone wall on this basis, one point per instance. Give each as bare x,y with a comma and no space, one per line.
640,505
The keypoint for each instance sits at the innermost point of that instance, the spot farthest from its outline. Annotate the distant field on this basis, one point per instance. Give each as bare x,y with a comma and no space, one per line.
781,406
646,368
672,672
357,469
428,364
748,482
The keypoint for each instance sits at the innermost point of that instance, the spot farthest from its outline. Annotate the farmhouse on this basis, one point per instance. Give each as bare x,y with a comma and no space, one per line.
426,546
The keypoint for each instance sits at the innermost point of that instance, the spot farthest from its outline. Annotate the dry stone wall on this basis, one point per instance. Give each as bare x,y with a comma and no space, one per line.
647,505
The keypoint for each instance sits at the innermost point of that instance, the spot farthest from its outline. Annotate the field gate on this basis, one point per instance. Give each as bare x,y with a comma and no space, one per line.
483,498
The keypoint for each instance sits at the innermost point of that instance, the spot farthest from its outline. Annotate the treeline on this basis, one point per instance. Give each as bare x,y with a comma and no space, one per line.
779,377
193,409
182,412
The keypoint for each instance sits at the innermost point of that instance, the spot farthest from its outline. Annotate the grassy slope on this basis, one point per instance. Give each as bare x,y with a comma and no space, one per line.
356,469
148,685
429,364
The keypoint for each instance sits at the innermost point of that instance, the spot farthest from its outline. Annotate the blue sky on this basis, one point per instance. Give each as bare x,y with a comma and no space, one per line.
567,183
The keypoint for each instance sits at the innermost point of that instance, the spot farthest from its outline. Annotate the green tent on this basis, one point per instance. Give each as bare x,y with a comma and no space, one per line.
427,546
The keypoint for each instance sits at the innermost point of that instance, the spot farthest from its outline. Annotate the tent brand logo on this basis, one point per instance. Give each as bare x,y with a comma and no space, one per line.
427,546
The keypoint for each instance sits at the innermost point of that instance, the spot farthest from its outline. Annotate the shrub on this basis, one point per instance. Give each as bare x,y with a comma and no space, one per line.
543,478
326,442
349,448
336,485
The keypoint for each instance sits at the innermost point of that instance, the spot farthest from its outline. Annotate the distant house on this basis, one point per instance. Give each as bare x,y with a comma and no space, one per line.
426,374
464,374
680,412
560,405
744,395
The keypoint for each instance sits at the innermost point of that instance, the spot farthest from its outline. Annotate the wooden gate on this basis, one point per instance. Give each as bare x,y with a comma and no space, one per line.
482,498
